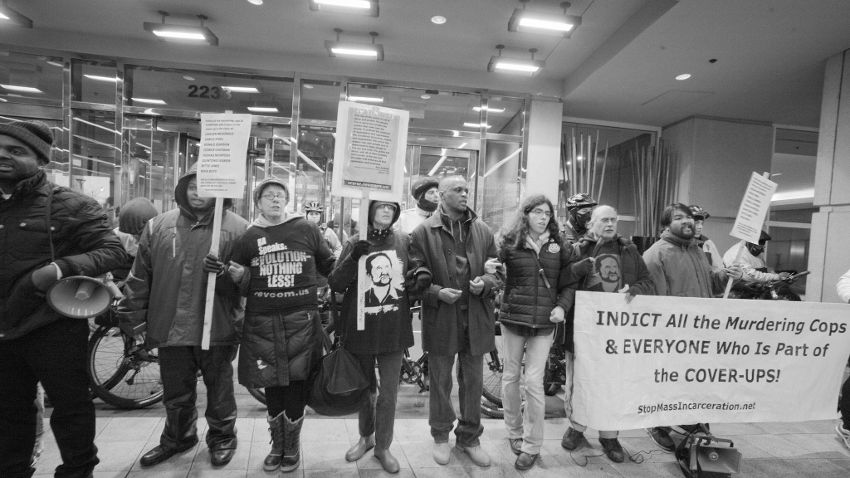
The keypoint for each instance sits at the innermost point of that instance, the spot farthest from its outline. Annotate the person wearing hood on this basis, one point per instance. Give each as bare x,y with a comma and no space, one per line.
166,292
276,264
457,316
131,222
606,262
47,232
425,191
751,260
381,331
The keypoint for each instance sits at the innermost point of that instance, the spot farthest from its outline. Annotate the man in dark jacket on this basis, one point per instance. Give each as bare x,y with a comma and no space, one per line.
608,263
165,293
46,232
457,315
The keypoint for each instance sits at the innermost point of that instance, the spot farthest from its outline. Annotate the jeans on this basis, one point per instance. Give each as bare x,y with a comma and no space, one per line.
179,366
55,355
527,425
568,397
441,414
377,411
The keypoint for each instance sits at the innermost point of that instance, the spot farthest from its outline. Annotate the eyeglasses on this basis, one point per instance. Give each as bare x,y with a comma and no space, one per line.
272,197
541,212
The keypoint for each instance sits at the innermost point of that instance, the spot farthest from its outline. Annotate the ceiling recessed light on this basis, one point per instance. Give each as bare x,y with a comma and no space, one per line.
683,76
240,89
263,109
110,79
188,78
255,2
438,19
308,86
22,89
149,101
425,96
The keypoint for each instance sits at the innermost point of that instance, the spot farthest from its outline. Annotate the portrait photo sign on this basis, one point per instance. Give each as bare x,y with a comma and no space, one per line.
380,286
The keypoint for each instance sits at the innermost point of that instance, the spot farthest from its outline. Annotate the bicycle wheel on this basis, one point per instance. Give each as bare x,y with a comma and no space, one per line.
120,376
493,367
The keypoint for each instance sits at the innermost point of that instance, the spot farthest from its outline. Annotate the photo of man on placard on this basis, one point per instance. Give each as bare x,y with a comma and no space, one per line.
382,283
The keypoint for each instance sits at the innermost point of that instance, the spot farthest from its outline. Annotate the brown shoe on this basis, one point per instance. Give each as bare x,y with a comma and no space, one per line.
525,461
572,439
613,449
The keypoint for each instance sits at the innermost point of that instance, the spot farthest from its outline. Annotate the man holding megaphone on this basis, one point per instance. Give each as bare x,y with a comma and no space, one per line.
47,232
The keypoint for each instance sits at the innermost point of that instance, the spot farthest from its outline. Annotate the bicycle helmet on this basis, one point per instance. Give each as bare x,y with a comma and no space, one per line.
580,200
699,213
313,206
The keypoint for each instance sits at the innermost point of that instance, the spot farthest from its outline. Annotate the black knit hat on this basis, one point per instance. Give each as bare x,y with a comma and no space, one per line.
422,185
34,134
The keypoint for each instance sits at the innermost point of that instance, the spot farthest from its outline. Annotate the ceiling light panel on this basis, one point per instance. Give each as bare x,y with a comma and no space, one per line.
512,65
263,109
525,21
240,89
182,33
374,51
22,89
364,7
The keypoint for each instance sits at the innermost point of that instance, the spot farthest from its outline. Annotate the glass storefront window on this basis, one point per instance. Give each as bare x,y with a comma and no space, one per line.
93,82
95,158
497,183
31,79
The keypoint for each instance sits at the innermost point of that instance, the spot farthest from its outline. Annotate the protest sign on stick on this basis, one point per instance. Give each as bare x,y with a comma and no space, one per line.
661,360
221,174
369,163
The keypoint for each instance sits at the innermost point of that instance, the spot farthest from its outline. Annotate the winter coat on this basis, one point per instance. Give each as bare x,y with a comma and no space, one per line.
167,286
679,267
527,300
432,246
280,338
385,331
80,242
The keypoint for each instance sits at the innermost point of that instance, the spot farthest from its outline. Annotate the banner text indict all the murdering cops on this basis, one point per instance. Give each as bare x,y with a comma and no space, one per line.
672,360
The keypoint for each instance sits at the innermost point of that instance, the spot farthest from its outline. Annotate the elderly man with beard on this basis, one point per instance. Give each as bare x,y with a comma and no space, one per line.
679,267
607,262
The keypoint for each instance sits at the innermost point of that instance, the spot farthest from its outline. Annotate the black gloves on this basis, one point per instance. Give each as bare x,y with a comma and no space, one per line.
418,280
582,268
212,264
360,249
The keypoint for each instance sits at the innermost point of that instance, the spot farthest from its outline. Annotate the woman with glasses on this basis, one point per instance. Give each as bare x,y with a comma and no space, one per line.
536,263
275,264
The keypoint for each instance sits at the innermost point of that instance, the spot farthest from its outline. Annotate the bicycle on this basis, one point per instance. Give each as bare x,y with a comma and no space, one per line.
122,372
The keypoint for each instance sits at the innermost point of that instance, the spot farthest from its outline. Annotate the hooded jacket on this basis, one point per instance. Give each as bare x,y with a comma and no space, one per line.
678,267
388,327
280,339
80,238
166,288
432,246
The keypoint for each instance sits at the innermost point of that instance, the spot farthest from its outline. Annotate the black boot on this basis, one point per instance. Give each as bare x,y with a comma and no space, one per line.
291,443
272,461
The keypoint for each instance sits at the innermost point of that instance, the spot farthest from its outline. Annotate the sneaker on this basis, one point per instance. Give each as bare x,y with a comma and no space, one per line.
843,433
661,437
572,439
516,445
442,453
613,449
525,461
477,455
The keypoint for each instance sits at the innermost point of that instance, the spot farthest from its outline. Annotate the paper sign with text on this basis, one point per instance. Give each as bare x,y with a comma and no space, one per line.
753,209
672,360
369,152
222,155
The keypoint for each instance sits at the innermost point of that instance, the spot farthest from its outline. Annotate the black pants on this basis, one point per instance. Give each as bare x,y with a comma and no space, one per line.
844,404
179,367
55,355
291,399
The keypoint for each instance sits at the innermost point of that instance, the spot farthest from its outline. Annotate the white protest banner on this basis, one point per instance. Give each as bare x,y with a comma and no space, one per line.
222,155
753,209
670,360
221,173
369,152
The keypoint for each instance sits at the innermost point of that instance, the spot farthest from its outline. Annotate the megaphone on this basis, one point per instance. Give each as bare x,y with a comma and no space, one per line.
80,297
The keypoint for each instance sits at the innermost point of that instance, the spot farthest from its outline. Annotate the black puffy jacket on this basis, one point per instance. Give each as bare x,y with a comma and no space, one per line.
527,301
80,241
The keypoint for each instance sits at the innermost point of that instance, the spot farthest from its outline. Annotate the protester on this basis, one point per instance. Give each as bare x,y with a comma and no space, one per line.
678,267
606,262
843,427
131,222
314,213
48,232
426,192
751,261
276,264
457,313
535,299
165,292
386,323
579,207
715,260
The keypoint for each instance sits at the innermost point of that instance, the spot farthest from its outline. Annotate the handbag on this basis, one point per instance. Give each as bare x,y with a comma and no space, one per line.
338,384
